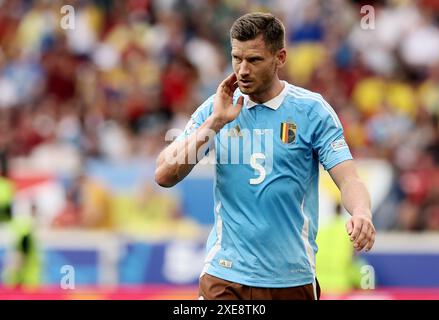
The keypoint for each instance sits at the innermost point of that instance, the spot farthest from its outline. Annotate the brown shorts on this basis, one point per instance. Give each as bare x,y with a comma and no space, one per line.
213,288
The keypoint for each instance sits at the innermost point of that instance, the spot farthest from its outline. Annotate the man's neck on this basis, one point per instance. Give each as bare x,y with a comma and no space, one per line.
275,89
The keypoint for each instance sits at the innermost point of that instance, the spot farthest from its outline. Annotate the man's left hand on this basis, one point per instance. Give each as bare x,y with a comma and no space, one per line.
361,230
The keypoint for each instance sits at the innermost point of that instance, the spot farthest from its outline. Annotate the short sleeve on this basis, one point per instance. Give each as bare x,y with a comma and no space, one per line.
329,142
197,119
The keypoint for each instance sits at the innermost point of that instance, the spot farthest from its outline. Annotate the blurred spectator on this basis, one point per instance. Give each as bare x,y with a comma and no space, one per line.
23,263
87,205
6,189
338,270
409,218
432,216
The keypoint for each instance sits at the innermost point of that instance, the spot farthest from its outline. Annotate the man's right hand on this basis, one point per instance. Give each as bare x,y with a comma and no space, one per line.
168,173
223,109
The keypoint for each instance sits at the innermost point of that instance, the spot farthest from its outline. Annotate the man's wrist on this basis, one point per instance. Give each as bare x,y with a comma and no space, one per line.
364,212
215,123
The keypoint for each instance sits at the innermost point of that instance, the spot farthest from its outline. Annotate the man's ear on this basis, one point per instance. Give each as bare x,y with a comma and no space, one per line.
281,57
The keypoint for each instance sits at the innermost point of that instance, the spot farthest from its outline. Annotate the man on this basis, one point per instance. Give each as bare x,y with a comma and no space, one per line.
266,197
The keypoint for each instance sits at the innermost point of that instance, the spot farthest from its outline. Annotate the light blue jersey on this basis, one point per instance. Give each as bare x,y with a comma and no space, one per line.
266,187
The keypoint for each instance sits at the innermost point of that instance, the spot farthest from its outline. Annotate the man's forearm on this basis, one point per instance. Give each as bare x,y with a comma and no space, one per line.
355,197
179,158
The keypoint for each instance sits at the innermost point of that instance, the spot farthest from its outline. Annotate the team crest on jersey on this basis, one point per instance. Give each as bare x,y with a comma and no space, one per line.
288,132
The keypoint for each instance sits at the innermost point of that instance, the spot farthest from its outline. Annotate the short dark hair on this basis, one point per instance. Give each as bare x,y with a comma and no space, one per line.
251,25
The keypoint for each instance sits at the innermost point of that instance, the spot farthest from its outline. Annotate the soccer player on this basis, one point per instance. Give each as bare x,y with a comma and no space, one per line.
262,245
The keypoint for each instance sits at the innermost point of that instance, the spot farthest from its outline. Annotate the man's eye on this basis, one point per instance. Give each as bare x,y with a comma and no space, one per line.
237,59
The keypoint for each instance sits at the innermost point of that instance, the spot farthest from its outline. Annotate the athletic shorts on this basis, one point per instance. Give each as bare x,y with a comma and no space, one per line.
213,288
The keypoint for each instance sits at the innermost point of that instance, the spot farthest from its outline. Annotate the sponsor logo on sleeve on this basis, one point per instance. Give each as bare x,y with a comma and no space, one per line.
339,144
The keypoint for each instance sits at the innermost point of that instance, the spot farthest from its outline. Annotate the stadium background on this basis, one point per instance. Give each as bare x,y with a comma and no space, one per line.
84,111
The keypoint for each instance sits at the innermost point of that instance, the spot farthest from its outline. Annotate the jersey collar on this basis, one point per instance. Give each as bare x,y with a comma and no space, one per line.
272,104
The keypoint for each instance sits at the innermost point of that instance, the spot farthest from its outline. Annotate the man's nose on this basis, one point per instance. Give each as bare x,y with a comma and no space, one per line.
244,69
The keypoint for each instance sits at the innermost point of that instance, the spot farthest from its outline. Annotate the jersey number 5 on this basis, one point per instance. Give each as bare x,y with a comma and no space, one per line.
259,168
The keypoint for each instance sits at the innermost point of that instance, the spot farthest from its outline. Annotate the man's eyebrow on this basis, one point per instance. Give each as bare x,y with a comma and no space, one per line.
249,56
254,57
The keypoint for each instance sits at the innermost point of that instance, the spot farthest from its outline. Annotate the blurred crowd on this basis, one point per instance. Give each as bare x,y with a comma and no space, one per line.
111,87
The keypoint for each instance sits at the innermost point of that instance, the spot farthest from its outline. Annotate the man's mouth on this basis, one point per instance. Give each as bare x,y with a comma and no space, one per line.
245,82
